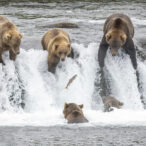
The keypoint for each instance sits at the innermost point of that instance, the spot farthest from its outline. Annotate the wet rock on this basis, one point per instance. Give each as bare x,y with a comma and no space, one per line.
142,43
141,54
61,25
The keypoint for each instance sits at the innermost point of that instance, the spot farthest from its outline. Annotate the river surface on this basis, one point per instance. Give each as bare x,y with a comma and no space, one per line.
27,81
72,136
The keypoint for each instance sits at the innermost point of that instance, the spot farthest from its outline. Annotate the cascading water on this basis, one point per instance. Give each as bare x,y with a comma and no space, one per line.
27,82
44,90
44,94
11,95
123,80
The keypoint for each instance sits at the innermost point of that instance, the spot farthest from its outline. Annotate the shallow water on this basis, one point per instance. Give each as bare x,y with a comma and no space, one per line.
28,81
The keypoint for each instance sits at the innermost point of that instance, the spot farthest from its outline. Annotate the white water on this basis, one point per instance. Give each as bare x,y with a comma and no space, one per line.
45,93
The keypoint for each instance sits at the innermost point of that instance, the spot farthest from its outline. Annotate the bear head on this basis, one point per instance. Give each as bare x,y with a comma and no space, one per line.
61,49
12,40
116,39
72,108
121,103
116,36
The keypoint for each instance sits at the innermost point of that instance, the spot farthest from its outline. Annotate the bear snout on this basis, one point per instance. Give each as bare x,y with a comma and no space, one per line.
114,52
63,59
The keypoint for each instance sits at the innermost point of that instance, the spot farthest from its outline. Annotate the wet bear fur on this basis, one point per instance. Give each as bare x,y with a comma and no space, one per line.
118,32
10,38
73,113
58,45
110,102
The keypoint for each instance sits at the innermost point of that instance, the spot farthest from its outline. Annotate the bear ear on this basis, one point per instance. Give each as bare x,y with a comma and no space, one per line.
21,35
7,36
68,45
123,37
108,36
65,105
81,105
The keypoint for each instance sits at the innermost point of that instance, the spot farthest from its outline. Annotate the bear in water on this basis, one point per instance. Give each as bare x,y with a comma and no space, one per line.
110,102
118,32
58,45
73,113
10,38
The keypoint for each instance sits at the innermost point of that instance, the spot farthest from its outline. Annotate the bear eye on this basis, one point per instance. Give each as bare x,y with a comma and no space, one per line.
65,53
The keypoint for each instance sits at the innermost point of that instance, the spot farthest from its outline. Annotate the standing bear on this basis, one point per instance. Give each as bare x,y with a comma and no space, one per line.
58,45
10,38
73,113
118,32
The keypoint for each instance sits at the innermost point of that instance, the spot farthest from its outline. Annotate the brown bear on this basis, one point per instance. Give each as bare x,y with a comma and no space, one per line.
73,113
118,32
10,38
110,102
58,45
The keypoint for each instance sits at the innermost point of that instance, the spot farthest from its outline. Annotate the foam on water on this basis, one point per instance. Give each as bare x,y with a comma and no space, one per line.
55,117
44,94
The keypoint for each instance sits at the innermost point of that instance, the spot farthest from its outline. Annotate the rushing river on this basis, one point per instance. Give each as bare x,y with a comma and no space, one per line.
28,82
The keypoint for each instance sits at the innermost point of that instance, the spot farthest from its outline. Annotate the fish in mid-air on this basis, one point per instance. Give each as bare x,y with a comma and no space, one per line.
70,81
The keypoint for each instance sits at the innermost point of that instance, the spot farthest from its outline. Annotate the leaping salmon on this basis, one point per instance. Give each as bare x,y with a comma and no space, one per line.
70,81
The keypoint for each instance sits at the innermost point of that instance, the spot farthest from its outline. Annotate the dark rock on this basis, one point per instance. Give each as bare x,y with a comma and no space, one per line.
141,54
142,42
61,25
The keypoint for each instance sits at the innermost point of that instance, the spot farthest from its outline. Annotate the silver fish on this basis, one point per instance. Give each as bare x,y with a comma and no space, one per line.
70,81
